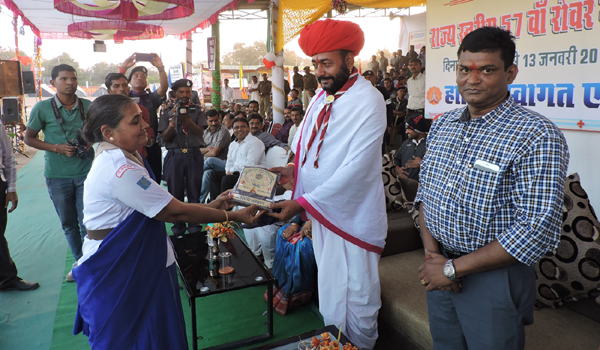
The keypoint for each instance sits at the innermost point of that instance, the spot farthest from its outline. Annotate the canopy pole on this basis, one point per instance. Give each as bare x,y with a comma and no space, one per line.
279,96
216,74
188,57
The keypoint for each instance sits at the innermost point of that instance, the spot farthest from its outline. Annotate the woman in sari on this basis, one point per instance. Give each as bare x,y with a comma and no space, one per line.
127,288
294,266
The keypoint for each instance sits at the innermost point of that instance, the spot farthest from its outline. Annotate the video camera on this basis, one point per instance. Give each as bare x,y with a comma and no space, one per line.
181,111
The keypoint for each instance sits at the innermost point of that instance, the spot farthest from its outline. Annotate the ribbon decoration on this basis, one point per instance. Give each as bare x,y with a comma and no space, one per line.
128,10
115,30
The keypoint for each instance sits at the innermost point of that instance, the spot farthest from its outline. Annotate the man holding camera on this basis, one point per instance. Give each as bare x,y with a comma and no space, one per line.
68,157
182,129
151,100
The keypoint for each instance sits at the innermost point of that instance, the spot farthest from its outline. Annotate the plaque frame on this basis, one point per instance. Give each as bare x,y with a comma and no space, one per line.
249,190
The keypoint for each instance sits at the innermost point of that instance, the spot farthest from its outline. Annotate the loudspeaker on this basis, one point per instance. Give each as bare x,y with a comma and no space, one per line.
10,110
10,78
28,82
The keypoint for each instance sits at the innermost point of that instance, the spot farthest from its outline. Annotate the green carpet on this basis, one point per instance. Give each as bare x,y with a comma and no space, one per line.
38,247
43,319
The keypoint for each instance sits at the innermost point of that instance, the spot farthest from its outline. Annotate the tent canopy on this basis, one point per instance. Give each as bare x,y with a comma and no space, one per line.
49,23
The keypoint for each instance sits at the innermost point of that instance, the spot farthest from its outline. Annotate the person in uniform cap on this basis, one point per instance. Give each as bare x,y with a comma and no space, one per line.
183,137
337,180
151,100
409,156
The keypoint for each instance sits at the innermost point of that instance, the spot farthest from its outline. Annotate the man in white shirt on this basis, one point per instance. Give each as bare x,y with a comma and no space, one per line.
416,89
253,89
227,91
246,150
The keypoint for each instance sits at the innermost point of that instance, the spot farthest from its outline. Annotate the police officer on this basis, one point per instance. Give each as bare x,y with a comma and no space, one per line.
182,128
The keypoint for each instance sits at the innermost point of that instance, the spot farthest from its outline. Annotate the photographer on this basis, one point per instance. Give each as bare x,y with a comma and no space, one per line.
68,159
182,129
149,99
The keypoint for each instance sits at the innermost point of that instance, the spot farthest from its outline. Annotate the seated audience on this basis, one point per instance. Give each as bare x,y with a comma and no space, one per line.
217,140
256,126
399,103
228,122
387,83
295,101
246,150
379,77
252,107
284,132
297,116
225,105
409,156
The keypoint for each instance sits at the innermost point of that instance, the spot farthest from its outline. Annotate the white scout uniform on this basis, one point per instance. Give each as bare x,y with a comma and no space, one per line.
116,186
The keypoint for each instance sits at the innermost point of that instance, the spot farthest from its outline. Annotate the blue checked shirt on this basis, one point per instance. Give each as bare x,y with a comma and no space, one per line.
520,205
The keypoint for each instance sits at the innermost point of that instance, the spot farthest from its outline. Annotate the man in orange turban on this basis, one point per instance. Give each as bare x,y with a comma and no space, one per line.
337,172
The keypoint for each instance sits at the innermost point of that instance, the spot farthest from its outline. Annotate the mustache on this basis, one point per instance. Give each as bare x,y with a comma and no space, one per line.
325,78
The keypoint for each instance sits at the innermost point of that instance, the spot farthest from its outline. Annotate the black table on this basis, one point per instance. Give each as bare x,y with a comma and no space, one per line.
292,342
193,265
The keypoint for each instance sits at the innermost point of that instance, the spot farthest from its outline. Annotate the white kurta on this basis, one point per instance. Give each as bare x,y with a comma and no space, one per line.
345,197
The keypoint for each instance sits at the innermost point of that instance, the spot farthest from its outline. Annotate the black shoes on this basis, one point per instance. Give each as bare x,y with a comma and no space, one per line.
20,285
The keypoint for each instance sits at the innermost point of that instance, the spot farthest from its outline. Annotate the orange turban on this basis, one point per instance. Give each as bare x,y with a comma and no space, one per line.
330,35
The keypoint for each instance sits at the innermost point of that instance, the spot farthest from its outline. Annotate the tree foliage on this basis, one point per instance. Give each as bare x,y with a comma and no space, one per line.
253,55
7,53
249,55
64,58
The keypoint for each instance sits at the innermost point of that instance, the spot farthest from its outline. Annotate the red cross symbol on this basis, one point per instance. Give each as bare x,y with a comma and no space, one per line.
580,124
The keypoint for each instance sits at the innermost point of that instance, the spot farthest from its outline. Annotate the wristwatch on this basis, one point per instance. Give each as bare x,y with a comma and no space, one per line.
450,271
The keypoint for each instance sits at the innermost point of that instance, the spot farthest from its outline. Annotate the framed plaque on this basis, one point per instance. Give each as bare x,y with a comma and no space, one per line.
256,185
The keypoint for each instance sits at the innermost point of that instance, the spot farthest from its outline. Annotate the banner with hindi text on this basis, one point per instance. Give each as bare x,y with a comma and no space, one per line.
557,55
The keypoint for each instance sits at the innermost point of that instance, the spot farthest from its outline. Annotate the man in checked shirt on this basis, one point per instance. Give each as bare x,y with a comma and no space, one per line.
491,200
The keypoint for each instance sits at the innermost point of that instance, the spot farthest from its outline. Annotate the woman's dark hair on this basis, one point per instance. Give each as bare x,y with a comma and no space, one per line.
105,110
490,39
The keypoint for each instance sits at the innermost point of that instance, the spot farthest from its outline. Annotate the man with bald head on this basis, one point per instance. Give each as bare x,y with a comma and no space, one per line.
337,180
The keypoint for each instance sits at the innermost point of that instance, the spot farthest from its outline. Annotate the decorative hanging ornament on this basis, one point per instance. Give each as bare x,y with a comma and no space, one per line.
340,6
115,30
127,10
269,60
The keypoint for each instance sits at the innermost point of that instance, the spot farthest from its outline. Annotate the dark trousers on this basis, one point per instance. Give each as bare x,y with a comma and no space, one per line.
155,161
183,173
8,269
220,182
490,312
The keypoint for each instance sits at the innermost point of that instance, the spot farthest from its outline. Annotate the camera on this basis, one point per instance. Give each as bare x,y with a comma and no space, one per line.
184,110
81,145
181,110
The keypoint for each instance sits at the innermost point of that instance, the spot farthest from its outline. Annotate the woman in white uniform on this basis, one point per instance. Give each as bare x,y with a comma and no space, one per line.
126,280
